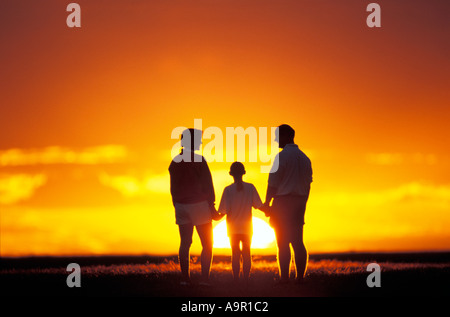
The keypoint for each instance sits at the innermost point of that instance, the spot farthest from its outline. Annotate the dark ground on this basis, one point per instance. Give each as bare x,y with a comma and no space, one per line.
402,275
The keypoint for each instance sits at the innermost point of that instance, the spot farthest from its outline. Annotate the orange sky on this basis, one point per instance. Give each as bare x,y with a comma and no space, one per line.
86,117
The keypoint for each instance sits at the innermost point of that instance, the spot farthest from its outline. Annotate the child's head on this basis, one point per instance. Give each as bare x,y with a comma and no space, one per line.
237,169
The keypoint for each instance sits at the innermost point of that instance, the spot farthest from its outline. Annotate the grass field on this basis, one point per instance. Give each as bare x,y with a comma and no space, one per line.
413,274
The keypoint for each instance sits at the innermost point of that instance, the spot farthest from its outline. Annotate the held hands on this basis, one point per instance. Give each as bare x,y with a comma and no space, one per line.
215,215
266,209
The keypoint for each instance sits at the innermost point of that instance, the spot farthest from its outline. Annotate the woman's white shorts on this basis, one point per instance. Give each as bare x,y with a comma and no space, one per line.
195,214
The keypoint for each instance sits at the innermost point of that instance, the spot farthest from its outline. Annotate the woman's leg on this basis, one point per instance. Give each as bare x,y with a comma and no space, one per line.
186,232
205,233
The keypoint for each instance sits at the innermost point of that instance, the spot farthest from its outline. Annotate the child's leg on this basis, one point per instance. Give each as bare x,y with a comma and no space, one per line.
235,255
246,256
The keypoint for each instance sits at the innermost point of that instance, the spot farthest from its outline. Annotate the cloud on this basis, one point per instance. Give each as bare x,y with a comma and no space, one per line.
413,191
63,155
131,186
420,191
14,188
366,219
401,158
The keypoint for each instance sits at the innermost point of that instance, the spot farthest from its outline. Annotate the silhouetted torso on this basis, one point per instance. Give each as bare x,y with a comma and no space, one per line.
293,175
191,182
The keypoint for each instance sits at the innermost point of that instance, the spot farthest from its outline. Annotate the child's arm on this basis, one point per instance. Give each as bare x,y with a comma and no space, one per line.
215,214
257,203
266,209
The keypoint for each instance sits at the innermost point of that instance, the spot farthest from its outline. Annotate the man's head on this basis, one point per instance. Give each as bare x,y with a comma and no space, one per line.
284,134
191,139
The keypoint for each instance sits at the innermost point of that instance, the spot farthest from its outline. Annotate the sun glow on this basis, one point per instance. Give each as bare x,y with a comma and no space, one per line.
263,235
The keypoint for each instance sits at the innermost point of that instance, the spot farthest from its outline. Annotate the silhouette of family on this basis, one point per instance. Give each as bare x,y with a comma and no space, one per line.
287,193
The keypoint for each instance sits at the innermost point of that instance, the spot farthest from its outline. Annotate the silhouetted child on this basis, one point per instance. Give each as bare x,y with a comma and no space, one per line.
237,202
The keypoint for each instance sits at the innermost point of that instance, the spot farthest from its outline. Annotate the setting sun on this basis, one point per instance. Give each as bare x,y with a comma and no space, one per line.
263,235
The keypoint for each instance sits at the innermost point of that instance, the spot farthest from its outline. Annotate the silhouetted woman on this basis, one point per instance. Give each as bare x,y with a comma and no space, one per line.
193,197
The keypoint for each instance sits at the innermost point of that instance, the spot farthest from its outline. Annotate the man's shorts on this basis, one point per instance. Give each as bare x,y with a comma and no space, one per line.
288,210
196,214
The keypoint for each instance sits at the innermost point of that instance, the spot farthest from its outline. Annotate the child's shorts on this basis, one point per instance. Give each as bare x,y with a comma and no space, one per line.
195,214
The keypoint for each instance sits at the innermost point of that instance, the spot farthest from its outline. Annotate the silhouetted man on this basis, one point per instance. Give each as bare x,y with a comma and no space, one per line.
193,197
289,186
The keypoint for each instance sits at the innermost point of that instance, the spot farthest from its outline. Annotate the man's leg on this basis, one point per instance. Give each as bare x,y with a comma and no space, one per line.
300,253
205,233
186,232
284,255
